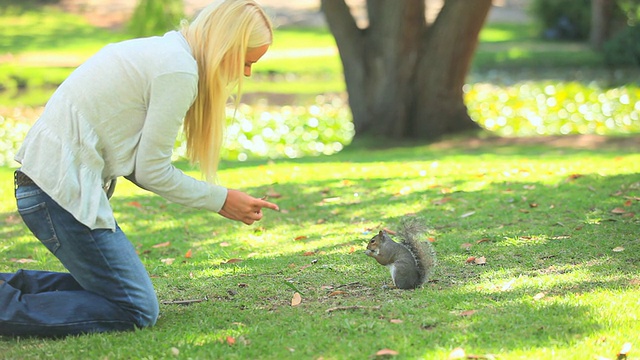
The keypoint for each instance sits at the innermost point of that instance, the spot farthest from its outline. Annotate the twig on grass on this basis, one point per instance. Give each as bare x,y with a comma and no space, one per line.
183,302
354,307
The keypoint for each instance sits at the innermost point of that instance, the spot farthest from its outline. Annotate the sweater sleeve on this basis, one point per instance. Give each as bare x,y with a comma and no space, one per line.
170,97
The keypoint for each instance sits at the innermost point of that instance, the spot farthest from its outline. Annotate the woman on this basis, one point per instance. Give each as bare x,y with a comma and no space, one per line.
119,114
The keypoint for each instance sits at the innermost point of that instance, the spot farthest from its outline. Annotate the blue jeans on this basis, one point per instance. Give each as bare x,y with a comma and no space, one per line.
107,287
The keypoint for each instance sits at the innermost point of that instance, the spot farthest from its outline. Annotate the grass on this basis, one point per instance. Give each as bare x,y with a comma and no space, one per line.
556,224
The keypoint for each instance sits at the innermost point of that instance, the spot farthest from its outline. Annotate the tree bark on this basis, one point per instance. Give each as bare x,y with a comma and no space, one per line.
601,15
405,78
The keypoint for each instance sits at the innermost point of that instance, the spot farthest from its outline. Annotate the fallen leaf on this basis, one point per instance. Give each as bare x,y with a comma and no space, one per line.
164,244
387,352
389,231
273,194
538,296
468,312
13,219
167,261
296,300
175,351
188,254
457,353
626,348
308,253
337,292
231,340
466,215
483,240
442,201
466,246
396,321
301,237
224,244
480,261
135,204
508,285
618,249
232,261
470,259
618,211
23,261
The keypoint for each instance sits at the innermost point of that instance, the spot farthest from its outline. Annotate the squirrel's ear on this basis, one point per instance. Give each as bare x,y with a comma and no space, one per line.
381,233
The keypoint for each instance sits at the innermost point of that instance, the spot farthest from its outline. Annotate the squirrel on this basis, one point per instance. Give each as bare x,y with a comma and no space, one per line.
411,261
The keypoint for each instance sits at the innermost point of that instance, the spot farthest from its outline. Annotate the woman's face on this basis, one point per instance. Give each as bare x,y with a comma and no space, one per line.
253,55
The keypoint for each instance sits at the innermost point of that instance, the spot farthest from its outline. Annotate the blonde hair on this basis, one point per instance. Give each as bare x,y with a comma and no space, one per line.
219,37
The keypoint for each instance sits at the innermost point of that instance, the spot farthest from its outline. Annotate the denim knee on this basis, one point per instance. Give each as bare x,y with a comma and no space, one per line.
146,314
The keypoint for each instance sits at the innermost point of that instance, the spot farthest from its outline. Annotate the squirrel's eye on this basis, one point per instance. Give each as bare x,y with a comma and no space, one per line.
372,241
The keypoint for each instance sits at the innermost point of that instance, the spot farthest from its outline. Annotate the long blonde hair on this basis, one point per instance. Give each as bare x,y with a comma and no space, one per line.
219,38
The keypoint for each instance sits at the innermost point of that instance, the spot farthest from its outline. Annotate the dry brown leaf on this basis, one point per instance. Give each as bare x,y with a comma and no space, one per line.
387,352
470,259
164,244
483,240
13,219
301,237
231,340
442,201
468,312
232,261
168,261
396,321
618,211
296,300
308,253
618,249
389,231
480,261
188,254
273,194
135,204
22,261
466,246
337,292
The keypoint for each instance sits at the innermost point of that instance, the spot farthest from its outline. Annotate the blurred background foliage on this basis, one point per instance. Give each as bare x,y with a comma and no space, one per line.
527,79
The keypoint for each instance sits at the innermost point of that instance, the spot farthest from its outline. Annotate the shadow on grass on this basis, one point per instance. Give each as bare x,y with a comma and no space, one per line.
553,237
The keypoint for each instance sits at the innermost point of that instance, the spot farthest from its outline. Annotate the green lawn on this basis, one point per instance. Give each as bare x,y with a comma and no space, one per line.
557,225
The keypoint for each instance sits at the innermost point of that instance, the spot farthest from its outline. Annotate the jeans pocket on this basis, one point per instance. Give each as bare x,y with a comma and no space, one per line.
38,220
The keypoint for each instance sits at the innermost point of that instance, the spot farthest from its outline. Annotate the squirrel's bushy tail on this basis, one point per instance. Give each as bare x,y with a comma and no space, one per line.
410,231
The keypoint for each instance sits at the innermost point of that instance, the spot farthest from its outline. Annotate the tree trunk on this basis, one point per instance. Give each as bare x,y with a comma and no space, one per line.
405,78
601,15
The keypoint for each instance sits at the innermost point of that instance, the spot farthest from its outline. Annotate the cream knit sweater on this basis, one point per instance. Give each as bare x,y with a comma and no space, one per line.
118,114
